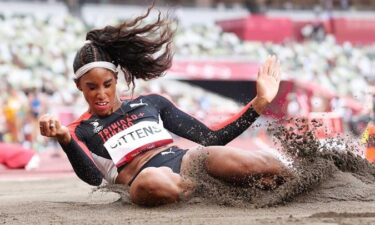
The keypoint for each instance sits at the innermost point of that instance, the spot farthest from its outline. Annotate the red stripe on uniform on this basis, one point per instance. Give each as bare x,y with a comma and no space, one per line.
130,156
72,128
231,119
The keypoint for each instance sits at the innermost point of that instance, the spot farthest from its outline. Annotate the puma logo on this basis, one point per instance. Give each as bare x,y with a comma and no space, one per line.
132,105
169,152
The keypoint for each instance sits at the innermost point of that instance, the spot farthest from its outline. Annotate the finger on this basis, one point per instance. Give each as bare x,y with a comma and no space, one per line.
260,71
43,127
42,130
264,67
51,124
276,67
271,65
276,72
267,65
43,120
44,124
52,132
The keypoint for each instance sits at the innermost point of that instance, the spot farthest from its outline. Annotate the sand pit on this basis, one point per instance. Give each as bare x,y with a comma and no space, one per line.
330,187
69,201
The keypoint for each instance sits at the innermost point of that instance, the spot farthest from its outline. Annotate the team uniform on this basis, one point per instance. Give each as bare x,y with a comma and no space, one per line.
101,147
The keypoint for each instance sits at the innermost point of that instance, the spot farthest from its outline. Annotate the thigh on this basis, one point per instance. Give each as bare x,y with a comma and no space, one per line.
225,161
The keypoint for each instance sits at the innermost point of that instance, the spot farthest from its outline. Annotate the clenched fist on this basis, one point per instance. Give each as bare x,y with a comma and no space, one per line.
50,126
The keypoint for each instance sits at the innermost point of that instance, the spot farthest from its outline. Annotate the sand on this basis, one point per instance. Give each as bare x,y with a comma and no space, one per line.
331,185
70,201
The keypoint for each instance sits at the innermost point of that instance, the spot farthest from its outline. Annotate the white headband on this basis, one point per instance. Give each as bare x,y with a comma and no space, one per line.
101,64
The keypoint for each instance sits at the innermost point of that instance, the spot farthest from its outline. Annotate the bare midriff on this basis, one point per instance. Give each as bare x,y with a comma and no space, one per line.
132,168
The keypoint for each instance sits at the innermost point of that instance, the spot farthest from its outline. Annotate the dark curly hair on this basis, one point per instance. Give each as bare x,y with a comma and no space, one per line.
141,51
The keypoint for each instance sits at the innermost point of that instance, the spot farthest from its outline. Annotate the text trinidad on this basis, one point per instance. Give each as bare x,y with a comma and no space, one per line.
118,126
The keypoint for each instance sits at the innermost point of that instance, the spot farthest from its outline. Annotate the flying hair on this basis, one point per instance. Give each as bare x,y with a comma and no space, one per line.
142,51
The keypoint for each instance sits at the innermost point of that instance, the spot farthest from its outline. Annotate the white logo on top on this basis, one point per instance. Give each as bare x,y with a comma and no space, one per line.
96,126
169,152
132,105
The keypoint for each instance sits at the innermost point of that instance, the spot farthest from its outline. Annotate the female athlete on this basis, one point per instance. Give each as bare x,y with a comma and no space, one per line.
128,141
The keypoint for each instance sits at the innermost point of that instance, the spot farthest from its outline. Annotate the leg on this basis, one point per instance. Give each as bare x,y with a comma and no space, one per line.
236,165
156,186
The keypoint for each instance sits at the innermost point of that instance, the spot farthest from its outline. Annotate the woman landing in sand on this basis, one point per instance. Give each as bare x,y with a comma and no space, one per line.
128,141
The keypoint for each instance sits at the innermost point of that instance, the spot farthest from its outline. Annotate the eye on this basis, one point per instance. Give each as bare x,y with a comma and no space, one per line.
107,85
91,87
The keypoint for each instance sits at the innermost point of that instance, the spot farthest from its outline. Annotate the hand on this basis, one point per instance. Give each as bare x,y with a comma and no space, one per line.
268,83
268,80
50,126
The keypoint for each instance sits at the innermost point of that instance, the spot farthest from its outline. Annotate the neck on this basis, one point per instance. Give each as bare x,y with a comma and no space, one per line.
117,104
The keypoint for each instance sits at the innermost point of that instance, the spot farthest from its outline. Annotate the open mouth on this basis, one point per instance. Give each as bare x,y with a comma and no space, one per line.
102,105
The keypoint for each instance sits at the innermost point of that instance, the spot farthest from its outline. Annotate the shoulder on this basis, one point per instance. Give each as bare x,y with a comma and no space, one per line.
148,96
76,123
151,100
156,97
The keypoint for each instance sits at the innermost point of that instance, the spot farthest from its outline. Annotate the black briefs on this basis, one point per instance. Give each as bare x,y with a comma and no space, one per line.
170,157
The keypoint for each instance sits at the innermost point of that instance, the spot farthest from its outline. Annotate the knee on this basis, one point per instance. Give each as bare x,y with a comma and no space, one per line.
268,163
257,163
155,186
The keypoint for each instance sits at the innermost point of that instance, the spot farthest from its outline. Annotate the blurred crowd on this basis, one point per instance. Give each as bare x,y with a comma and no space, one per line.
344,69
36,54
331,77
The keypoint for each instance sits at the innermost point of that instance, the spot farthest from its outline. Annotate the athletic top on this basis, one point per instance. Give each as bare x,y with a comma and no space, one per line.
100,145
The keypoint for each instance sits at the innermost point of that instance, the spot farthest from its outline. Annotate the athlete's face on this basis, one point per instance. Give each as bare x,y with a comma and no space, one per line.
99,88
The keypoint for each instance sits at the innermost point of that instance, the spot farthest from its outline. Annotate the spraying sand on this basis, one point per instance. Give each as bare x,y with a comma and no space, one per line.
322,169
331,184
